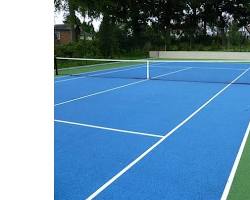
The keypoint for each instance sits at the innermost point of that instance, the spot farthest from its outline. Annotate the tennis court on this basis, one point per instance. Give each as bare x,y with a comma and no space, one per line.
149,129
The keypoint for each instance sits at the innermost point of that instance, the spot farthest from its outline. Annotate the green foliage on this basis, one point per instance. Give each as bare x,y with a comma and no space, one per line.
234,36
78,49
107,37
135,27
88,28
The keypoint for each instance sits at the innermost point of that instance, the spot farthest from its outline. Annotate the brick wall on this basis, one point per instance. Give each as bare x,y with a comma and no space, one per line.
65,37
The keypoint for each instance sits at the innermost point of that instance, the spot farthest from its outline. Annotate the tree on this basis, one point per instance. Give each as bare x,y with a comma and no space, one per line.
106,36
70,6
129,25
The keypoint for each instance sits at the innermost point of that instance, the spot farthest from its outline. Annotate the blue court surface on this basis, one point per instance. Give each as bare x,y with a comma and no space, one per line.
132,138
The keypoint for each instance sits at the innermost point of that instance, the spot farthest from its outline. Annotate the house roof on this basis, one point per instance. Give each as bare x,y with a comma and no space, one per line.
62,27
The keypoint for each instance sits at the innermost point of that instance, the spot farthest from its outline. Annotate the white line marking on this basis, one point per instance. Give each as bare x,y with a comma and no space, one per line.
202,61
115,88
112,62
109,129
159,60
174,72
87,66
235,165
221,68
70,79
217,68
125,169
120,70
130,67
101,59
101,92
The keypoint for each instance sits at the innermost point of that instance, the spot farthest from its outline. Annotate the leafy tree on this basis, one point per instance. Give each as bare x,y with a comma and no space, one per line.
131,25
107,38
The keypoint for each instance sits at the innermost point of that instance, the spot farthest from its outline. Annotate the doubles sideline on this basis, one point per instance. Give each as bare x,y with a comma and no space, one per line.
235,165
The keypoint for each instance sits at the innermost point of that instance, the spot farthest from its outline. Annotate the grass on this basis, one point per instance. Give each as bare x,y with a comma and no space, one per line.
240,189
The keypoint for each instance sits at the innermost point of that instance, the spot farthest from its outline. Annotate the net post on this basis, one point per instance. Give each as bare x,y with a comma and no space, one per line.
55,65
148,76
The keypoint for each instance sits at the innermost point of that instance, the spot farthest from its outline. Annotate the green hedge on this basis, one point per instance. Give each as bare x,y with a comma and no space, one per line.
82,48
91,49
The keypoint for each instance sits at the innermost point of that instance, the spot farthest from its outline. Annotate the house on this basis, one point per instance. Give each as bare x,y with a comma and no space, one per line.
62,34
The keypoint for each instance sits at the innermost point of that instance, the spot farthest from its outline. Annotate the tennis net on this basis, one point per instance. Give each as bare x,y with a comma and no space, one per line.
109,68
201,71
185,71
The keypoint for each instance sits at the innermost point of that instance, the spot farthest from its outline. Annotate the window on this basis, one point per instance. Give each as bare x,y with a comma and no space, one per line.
57,35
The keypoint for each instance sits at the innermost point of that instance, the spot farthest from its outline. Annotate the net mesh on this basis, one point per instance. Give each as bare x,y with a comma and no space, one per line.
203,72
185,71
109,68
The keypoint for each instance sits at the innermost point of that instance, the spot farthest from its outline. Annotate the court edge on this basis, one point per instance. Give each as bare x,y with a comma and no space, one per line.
235,165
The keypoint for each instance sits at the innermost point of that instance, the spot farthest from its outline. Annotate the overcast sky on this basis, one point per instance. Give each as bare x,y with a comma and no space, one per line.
59,18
